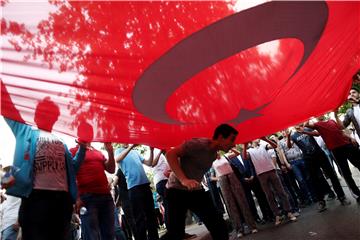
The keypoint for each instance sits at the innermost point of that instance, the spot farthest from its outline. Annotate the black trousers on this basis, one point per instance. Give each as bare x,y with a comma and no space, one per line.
342,155
46,215
144,212
260,196
200,203
313,163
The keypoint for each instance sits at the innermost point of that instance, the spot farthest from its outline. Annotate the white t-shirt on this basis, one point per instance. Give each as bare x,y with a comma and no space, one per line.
261,159
222,167
50,163
10,211
273,155
161,167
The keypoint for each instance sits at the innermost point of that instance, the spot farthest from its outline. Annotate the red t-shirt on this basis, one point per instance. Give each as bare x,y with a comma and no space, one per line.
91,177
332,134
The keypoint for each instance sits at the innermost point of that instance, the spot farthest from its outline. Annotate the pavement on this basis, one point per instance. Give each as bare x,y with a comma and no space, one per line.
336,223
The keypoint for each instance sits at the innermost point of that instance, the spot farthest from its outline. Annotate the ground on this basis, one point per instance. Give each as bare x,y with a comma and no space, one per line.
338,222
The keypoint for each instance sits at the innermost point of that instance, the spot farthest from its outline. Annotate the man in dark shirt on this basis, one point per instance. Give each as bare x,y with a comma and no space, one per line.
315,159
343,147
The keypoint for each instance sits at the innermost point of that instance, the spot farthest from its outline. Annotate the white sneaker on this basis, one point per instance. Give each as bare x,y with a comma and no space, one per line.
291,217
296,214
254,231
239,235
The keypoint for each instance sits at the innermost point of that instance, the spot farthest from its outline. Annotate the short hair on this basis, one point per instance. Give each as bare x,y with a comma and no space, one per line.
224,130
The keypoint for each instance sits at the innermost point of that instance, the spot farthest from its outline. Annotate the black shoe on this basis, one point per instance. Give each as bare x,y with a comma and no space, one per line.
322,206
331,196
345,202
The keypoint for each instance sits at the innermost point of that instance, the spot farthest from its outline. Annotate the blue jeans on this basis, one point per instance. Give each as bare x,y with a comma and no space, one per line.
160,188
98,221
9,233
299,169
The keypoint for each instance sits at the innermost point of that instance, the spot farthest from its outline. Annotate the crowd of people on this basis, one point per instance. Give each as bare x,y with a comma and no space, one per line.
55,193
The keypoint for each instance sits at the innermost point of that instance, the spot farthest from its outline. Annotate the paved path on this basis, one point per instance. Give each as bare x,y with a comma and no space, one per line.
337,223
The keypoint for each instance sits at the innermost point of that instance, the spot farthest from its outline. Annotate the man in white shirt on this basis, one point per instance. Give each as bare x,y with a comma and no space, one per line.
266,173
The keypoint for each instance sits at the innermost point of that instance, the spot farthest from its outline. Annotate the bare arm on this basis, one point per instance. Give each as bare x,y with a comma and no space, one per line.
149,161
288,138
110,162
234,153
272,143
245,154
157,157
172,157
309,125
313,133
7,105
338,121
124,153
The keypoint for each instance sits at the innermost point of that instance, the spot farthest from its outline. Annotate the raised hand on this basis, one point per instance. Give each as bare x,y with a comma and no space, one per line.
108,146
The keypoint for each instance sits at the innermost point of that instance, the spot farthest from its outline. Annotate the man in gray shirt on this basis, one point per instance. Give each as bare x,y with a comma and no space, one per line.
189,162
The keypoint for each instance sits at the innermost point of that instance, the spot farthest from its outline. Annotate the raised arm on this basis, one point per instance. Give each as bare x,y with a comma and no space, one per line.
234,153
7,106
288,138
308,124
245,154
271,142
124,153
312,133
338,121
149,161
110,162
157,157
172,157
78,157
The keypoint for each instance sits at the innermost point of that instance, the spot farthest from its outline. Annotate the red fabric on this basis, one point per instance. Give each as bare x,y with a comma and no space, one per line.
91,177
159,73
332,134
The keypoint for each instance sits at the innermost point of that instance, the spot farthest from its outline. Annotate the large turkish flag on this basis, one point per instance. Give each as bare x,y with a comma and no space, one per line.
159,73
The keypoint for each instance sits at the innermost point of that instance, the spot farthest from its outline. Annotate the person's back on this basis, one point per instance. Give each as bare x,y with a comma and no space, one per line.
94,194
45,175
306,143
140,195
261,159
331,133
91,177
132,167
344,149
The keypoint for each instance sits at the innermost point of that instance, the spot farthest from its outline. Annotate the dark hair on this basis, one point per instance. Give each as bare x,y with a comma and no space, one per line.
224,130
356,88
